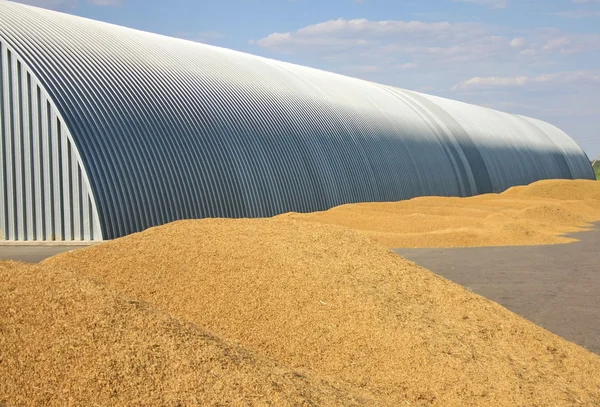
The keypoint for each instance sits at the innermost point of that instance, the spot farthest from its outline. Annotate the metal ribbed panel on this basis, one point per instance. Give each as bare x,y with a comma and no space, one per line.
40,198
168,129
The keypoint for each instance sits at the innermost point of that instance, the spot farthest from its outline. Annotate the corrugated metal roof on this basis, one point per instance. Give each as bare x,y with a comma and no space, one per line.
170,129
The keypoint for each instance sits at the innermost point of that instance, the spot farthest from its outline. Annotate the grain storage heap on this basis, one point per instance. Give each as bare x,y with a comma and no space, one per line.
108,131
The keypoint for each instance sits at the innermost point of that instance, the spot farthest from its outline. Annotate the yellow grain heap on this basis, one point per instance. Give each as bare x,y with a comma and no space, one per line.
67,341
335,306
534,214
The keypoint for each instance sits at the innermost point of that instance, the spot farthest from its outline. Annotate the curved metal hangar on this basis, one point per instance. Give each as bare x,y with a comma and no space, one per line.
108,131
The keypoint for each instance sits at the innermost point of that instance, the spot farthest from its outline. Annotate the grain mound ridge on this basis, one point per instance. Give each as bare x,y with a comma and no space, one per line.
65,341
332,302
539,213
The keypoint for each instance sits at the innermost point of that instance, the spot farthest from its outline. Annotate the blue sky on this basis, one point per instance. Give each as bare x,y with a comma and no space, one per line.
539,58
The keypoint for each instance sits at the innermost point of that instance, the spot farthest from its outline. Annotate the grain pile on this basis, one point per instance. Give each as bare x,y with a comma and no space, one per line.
67,341
331,303
534,214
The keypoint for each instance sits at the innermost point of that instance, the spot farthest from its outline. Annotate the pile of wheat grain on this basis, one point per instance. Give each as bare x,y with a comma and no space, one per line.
69,341
333,304
535,214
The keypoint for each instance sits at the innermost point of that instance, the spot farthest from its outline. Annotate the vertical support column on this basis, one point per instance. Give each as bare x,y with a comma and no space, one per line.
3,195
29,204
18,149
8,146
67,198
46,166
36,141
75,194
88,221
56,138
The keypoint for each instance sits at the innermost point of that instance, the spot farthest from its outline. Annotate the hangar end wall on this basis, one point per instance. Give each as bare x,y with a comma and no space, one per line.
44,190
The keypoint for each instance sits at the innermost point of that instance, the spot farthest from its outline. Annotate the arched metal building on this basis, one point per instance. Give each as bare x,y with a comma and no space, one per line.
108,130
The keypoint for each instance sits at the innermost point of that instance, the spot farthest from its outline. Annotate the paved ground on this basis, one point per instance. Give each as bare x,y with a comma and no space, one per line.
32,254
554,286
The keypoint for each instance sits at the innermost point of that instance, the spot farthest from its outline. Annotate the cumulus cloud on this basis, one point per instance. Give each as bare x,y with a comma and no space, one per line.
563,78
518,42
435,42
341,34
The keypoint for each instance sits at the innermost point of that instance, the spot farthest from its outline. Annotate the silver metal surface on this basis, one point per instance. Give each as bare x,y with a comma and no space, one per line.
42,183
164,129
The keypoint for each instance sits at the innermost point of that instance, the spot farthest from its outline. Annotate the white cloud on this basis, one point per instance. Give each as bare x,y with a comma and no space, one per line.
491,82
560,43
518,42
554,79
341,33
433,42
